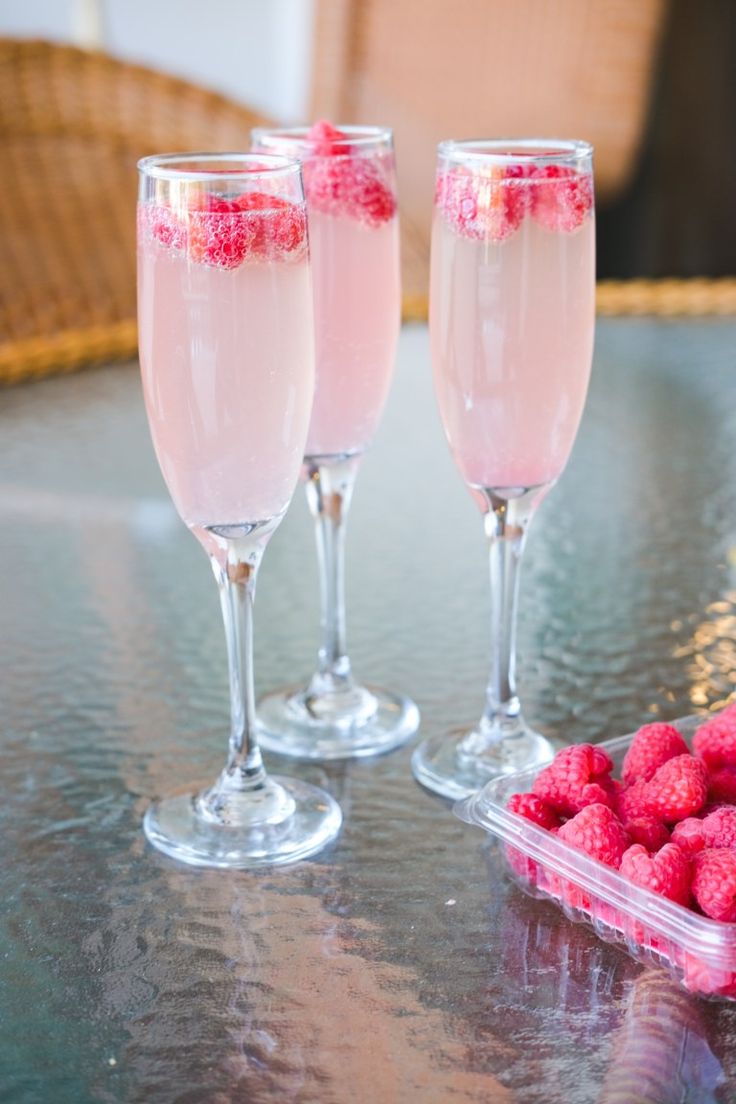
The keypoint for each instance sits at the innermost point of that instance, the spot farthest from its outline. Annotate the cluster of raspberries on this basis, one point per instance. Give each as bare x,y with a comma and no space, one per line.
338,181
669,824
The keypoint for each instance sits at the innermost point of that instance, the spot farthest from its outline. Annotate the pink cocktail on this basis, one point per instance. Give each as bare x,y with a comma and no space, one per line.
512,340
512,308
227,360
357,293
349,178
228,387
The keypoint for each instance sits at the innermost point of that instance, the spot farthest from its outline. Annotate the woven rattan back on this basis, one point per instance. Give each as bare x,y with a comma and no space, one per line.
72,126
486,68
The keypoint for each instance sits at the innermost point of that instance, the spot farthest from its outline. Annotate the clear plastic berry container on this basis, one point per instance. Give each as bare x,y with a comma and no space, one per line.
698,952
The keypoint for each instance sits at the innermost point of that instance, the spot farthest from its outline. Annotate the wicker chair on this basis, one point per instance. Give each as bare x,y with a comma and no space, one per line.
73,123
72,126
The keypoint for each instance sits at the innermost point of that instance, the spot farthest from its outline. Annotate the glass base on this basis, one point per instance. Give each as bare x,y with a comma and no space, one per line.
352,724
289,820
459,763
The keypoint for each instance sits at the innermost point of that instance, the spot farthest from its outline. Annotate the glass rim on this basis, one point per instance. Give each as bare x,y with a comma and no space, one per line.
162,166
355,136
510,151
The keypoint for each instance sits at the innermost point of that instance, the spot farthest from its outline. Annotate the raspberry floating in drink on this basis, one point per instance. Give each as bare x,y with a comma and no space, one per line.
340,180
491,205
224,232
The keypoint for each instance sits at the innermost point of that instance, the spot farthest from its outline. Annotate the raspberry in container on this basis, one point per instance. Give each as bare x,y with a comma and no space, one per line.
546,860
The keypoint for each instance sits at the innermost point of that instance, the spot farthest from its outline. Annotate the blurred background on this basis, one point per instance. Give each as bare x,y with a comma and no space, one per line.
652,83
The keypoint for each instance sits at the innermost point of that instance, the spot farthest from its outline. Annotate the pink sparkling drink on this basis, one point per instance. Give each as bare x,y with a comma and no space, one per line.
354,239
512,309
226,343
512,317
350,185
356,324
228,387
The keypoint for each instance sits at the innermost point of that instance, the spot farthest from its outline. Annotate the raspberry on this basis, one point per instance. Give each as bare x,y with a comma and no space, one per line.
561,197
715,741
166,228
370,195
577,776
667,872
222,233
597,831
218,235
714,883
722,786
290,229
689,836
483,207
534,809
704,977
612,789
600,761
652,746
531,808
570,893
648,831
524,867
337,183
678,789
353,186
327,140
278,226
632,802
492,206
719,827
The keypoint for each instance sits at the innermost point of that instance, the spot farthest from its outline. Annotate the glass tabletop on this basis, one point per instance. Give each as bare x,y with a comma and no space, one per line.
401,964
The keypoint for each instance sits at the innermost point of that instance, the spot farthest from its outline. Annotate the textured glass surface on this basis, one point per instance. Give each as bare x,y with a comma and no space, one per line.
401,965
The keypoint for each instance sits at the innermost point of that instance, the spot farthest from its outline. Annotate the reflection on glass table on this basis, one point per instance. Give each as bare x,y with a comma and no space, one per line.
126,976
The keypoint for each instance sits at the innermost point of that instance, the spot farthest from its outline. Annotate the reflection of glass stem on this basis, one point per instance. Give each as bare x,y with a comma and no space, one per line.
661,1053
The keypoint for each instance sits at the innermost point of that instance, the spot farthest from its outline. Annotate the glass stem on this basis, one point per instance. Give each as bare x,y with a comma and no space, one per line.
507,522
236,580
329,489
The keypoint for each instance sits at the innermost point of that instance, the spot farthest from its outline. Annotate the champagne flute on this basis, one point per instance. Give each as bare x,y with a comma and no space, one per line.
349,178
512,310
227,362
